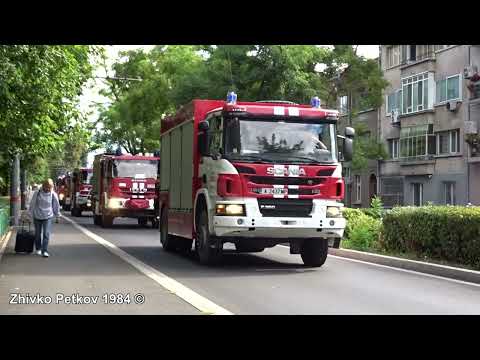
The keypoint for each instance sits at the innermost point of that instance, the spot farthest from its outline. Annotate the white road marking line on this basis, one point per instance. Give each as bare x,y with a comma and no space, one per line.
5,242
403,270
194,299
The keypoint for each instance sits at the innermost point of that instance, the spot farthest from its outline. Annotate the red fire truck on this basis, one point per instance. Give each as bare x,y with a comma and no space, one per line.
255,174
124,186
80,191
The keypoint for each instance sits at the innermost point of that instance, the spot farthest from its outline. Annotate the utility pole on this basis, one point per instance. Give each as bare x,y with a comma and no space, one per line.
23,187
15,200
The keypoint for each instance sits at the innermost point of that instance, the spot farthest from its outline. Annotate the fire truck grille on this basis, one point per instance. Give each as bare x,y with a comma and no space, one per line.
285,207
278,180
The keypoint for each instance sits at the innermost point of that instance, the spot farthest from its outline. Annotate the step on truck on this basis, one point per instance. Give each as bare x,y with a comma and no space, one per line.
80,188
255,174
124,186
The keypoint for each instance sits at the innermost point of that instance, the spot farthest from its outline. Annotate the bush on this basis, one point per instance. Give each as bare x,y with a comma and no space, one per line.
362,231
449,233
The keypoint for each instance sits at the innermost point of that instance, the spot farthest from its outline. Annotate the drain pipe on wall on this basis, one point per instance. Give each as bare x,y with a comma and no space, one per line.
468,148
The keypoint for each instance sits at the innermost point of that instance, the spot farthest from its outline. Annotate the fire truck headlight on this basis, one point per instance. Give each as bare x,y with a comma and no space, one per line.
115,203
61,196
230,209
333,212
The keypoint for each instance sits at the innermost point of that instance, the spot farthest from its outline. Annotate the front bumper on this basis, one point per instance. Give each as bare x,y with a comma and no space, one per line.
84,203
317,225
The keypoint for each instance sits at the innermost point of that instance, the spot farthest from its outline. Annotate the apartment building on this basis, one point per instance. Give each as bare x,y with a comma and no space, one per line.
429,121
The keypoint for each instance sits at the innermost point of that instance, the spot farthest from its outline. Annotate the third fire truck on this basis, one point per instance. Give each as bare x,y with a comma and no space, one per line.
80,187
124,186
255,174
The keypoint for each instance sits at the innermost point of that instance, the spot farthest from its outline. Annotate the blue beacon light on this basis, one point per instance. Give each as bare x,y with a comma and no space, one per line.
231,98
315,102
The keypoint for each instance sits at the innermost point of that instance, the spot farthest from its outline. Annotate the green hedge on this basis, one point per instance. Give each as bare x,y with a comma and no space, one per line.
449,233
362,230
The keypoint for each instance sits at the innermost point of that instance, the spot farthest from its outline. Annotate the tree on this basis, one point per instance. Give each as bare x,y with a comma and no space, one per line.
39,90
365,148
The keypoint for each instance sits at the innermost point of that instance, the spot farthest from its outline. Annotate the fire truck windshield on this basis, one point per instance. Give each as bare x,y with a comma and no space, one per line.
280,141
86,177
146,169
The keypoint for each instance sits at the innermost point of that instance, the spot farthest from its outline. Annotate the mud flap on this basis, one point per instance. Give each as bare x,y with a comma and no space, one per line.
296,246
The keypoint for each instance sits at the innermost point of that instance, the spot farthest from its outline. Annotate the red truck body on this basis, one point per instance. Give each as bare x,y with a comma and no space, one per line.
80,189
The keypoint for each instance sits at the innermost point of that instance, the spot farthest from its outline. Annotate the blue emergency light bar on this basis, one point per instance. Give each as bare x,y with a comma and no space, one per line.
231,98
315,102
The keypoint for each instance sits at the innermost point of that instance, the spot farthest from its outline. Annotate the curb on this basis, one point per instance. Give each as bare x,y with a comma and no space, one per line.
412,265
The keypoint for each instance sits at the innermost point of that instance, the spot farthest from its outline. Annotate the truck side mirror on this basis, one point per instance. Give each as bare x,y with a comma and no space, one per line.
349,132
204,139
347,149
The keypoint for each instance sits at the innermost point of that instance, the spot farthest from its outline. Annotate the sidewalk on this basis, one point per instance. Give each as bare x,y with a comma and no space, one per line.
79,265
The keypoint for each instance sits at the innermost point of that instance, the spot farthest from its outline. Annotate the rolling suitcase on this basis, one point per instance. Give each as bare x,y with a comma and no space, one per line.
24,240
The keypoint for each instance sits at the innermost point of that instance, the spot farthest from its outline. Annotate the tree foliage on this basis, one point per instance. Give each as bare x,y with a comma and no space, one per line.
39,90
174,75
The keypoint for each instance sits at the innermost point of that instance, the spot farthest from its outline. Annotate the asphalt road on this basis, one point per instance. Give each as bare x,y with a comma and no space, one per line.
275,282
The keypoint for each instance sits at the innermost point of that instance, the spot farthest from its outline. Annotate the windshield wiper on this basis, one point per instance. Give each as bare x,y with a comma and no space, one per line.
250,157
308,159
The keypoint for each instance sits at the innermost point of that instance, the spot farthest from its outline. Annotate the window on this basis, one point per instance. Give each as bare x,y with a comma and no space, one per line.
216,130
416,93
448,142
417,190
343,105
393,145
449,193
417,141
393,56
424,52
448,89
358,188
394,102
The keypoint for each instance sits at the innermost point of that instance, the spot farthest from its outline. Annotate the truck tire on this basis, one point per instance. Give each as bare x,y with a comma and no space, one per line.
168,241
66,207
143,221
314,252
107,221
208,254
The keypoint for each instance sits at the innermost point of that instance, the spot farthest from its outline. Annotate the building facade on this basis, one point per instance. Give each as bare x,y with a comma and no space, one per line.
429,122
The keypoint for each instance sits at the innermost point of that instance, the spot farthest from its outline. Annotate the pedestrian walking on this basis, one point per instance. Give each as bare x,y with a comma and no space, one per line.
44,206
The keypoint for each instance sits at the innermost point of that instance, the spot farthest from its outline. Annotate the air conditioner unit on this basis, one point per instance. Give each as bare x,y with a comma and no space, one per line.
452,105
395,116
469,71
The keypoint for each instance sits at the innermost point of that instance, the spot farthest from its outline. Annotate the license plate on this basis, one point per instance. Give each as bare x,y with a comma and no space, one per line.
273,191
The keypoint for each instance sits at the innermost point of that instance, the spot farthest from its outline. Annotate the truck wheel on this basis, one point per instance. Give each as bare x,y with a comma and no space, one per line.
204,243
73,211
168,241
314,252
107,221
248,248
143,221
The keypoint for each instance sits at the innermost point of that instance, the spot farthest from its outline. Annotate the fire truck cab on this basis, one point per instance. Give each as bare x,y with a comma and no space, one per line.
255,174
124,186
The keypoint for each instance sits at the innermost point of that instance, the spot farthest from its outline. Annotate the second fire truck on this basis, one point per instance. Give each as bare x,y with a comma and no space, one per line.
124,186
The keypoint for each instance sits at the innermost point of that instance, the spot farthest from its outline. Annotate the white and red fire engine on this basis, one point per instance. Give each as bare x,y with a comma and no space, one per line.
124,186
255,174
